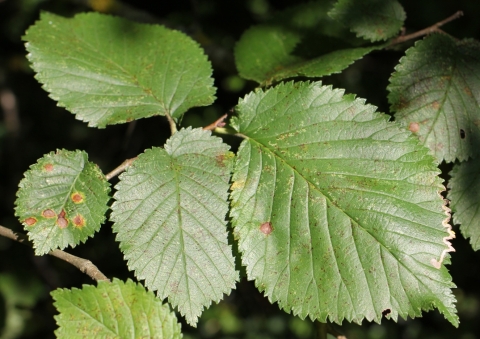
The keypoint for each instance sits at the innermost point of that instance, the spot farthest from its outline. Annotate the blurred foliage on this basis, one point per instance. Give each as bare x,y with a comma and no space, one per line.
31,125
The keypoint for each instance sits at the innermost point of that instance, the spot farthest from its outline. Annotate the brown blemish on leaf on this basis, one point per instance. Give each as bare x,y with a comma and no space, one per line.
62,222
48,167
435,105
266,228
220,159
78,221
414,127
62,214
49,213
468,91
30,221
77,197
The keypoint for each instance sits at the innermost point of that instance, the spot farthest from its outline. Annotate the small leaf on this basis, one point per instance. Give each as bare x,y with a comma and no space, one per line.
169,218
62,200
373,20
464,196
113,310
276,50
435,92
109,70
338,211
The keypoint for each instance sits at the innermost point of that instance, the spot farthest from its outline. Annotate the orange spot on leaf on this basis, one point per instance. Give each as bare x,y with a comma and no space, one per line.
435,105
78,221
62,222
48,167
77,197
30,221
414,127
49,213
266,228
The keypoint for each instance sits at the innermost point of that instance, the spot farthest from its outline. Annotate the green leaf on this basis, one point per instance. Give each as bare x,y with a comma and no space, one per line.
113,310
464,196
109,70
282,48
62,200
337,211
169,218
373,20
435,92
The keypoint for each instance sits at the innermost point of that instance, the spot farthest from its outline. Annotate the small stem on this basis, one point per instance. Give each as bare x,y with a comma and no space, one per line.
127,163
425,31
220,122
84,265
173,125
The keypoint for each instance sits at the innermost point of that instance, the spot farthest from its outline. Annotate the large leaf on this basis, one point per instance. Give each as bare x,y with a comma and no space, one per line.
370,19
435,92
337,211
113,310
109,70
62,200
464,195
301,41
169,214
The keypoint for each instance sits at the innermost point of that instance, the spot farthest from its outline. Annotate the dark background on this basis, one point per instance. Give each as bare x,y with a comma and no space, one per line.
33,125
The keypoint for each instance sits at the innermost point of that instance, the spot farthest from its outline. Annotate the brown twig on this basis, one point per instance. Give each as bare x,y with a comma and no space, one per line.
220,122
124,165
84,265
425,31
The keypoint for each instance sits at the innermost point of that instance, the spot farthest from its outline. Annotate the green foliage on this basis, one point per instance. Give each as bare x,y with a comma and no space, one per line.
109,70
465,197
336,212
169,214
62,200
113,310
302,41
435,93
352,204
370,19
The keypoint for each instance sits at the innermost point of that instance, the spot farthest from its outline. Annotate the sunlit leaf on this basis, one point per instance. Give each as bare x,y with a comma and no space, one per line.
109,70
464,196
435,92
370,19
113,310
62,200
336,210
169,218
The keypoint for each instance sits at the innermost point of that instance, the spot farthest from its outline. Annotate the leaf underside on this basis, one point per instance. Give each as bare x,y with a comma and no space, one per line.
169,218
62,200
373,20
464,196
301,41
336,210
109,70
435,92
113,310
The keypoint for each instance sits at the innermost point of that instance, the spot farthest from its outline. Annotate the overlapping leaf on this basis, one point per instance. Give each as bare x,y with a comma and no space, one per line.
109,70
464,196
302,41
370,19
337,211
435,92
169,218
62,200
113,310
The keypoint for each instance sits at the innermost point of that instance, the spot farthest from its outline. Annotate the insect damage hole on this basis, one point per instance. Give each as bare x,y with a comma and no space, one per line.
386,312
462,133
266,228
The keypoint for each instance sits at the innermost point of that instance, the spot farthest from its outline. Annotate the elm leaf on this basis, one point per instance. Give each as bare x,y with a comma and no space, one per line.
337,211
62,200
435,92
169,218
108,70
113,310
